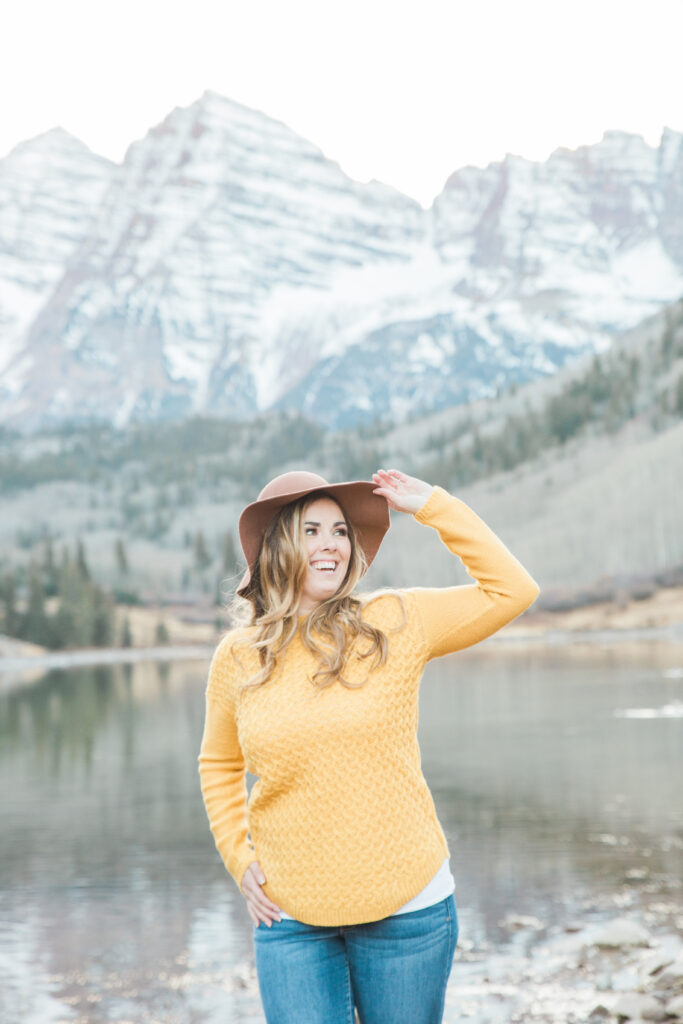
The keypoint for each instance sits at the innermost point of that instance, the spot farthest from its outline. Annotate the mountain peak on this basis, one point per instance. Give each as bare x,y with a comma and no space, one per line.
56,140
253,274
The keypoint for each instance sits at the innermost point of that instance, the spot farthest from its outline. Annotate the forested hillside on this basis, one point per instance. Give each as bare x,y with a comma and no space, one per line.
580,475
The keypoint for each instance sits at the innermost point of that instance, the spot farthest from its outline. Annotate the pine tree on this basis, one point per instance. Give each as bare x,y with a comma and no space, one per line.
161,633
72,626
678,399
49,567
121,557
103,624
230,558
126,633
10,622
81,561
202,558
34,624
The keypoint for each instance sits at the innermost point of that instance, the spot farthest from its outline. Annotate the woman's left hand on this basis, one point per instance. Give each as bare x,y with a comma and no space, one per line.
403,493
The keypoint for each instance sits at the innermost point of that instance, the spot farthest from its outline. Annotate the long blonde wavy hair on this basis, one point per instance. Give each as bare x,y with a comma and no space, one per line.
272,598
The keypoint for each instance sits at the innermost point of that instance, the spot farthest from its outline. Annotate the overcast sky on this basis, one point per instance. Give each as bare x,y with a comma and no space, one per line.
405,92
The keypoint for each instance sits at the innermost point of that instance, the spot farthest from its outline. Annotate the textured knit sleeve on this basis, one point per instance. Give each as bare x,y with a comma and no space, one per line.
457,617
222,770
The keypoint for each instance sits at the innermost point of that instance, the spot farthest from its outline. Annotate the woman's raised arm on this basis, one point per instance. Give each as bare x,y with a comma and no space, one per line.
457,617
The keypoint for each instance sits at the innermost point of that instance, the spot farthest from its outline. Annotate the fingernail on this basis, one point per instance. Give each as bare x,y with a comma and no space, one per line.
270,924
262,879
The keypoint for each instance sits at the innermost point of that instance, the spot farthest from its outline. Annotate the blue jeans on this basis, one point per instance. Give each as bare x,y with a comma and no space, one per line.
394,970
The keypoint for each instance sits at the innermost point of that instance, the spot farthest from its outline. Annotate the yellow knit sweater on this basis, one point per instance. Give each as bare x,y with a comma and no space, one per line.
341,819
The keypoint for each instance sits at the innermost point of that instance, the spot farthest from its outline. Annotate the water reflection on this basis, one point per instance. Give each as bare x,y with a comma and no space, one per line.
115,905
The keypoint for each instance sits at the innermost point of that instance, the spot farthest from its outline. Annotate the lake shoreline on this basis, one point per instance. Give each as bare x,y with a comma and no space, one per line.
14,656
103,656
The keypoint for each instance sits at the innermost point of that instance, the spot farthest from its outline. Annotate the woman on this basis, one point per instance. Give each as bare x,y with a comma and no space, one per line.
340,853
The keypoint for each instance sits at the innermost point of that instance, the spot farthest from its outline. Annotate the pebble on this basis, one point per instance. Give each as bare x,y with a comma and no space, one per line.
673,972
653,964
622,931
636,1005
521,921
675,1006
599,1012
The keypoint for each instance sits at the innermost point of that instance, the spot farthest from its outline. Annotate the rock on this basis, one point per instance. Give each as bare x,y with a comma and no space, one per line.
243,975
603,982
672,974
621,932
521,921
635,1004
599,1013
656,962
675,1006
637,874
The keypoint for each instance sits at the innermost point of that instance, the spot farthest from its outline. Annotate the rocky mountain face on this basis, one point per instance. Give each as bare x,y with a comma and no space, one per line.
227,267
50,189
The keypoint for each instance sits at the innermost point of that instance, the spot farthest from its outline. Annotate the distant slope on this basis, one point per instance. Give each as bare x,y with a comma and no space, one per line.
579,474
598,494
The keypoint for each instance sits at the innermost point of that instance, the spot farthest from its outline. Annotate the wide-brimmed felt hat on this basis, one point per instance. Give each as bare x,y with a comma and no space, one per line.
368,512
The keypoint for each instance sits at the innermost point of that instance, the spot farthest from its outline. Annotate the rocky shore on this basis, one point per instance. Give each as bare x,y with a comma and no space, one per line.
614,964
612,971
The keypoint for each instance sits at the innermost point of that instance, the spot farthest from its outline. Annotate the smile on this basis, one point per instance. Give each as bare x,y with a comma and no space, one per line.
324,566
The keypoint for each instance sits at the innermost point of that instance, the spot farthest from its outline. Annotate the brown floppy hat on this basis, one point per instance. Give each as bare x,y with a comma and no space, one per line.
368,512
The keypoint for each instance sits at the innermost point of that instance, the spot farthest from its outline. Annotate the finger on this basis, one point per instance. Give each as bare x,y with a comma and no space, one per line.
257,894
250,887
252,880
258,898
265,917
385,477
257,872
266,906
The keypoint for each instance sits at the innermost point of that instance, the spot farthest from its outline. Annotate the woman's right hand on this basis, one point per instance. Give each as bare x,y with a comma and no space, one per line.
259,906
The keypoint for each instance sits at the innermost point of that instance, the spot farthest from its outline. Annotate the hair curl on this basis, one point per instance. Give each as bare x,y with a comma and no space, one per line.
271,601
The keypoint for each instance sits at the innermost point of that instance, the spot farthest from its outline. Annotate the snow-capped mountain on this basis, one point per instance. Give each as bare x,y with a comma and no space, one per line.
50,188
228,267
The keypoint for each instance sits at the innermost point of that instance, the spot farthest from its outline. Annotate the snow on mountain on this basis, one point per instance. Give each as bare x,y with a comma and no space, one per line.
588,229
210,212
49,189
228,267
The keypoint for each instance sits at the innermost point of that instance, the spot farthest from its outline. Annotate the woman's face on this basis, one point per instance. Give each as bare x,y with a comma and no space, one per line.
329,551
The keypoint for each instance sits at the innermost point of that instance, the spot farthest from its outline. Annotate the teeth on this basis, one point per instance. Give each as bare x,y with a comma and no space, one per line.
324,565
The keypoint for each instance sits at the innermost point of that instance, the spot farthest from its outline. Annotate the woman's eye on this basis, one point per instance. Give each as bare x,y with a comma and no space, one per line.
341,531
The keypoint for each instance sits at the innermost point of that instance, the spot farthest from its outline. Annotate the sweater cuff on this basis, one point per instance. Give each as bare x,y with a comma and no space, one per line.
438,499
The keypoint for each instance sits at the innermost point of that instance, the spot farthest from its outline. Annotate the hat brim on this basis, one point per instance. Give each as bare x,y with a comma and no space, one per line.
369,513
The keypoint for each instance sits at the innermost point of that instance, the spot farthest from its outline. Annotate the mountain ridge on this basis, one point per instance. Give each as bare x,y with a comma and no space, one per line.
227,267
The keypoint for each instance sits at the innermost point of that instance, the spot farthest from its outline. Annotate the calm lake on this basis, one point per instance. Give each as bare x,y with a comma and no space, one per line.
556,772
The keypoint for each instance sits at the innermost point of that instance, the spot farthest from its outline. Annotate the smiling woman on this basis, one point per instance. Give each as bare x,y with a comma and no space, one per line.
338,850
329,552
309,559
